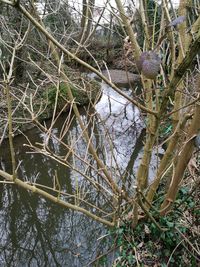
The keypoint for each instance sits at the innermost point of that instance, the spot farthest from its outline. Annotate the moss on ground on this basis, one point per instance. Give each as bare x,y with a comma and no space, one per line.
40,97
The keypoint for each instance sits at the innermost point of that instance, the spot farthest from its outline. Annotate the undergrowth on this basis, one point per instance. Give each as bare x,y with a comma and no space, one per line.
175,243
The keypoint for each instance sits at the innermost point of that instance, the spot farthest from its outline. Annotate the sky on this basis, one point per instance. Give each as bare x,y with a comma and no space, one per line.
101,3
112,2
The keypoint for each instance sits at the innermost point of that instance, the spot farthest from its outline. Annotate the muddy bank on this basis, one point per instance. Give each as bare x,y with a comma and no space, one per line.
31,102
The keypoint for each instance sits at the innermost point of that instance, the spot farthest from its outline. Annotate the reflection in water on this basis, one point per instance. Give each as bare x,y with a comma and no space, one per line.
36,232
124,124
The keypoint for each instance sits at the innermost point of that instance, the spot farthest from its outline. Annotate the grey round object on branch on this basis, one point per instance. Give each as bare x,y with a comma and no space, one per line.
150,68
149,64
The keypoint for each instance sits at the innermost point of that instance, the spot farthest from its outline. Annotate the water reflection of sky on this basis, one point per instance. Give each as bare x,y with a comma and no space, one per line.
123,122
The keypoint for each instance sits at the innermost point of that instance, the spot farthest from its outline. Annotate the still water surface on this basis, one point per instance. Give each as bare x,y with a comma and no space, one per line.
36,232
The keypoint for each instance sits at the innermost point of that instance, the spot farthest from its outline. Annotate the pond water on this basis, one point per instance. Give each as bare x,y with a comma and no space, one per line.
36,232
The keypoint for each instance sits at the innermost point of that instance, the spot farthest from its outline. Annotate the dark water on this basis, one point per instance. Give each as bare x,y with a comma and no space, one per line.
36,232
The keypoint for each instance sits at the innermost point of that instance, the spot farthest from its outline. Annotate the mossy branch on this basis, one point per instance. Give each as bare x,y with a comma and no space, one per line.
182,162
165,163
56,200
180,71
